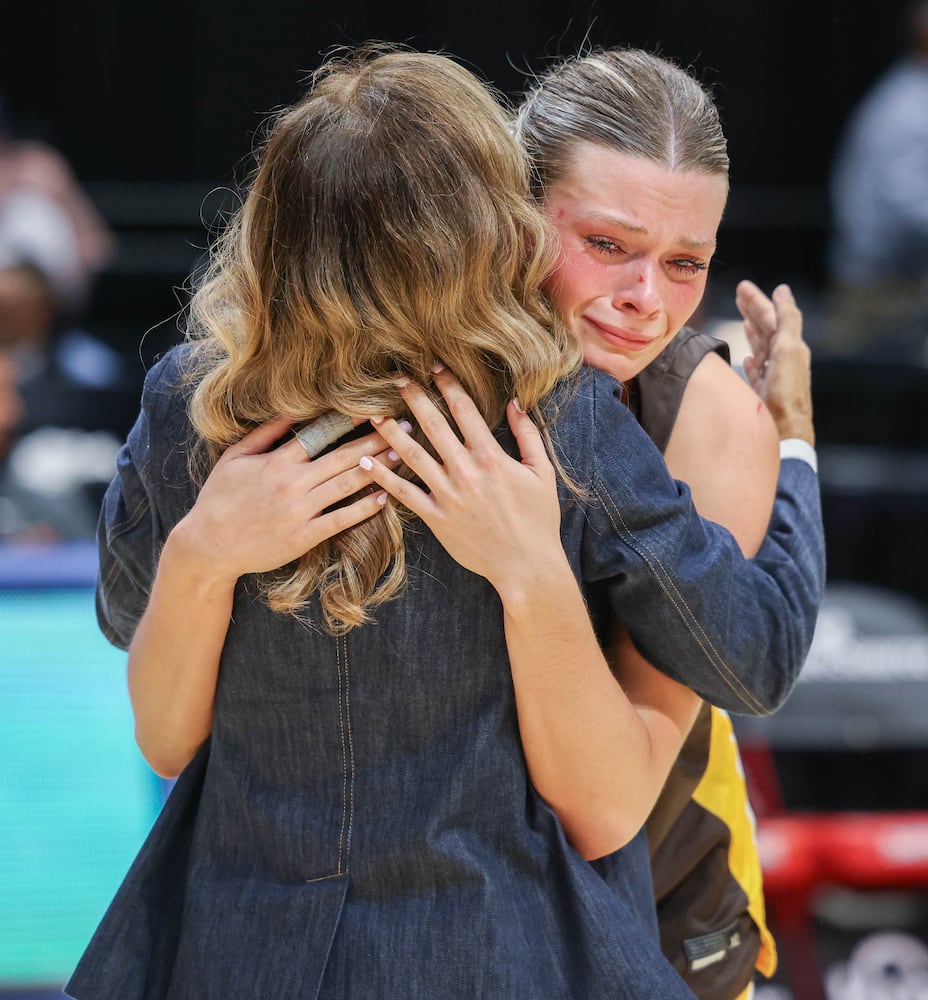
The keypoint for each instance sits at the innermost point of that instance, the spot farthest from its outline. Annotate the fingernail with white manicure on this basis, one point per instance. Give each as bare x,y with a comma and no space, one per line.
393,455
381,498
405,425
366,463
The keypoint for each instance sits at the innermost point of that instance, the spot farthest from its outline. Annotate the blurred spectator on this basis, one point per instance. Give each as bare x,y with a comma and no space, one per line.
65,396
66,376
879,254
33,174
36,504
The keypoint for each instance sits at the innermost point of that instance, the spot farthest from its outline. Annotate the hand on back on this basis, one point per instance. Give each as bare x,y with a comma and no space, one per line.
262,507
497,516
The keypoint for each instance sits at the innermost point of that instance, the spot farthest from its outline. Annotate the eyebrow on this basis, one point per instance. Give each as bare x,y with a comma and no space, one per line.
621,223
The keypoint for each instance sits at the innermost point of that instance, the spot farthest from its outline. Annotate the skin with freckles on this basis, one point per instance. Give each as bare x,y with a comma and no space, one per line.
636,243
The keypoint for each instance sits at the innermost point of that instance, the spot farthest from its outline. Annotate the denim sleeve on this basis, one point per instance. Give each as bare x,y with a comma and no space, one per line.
131,529
737,631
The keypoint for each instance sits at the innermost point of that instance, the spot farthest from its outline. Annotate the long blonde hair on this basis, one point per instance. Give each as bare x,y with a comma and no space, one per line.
388,224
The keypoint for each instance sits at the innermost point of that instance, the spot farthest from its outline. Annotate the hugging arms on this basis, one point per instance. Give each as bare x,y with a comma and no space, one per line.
357,732
499,516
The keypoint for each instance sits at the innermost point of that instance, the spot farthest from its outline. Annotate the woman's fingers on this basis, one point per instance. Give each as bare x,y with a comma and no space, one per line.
346,483
334,522
430,419
760,319
407,493
413,455
752,372
338,459
261,438
529,439
347,456
788,317
468,419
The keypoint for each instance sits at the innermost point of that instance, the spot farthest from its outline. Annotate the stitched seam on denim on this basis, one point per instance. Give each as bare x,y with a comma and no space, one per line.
118,530
632,541
112,577
341,728
692,623
141,507
689,618
344,643
107,582
324,878
110,634
722,668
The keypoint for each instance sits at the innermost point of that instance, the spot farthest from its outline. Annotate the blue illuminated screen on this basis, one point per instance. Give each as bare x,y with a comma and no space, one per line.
76,797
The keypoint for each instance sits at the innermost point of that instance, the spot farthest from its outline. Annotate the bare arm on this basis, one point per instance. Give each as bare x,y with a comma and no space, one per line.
724,446
598,759
258,510
597,750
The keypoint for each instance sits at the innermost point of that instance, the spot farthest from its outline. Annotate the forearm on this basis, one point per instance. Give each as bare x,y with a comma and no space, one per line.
597,760
174,656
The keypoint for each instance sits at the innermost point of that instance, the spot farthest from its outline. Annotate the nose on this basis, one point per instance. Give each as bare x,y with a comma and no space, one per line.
638,291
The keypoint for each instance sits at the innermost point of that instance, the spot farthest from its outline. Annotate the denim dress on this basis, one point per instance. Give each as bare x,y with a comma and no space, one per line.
360,823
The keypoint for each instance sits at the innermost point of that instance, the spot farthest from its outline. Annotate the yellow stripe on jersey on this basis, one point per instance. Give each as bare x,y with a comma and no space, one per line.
723,792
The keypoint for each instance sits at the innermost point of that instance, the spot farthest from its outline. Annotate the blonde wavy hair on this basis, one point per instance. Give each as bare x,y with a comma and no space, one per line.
388,224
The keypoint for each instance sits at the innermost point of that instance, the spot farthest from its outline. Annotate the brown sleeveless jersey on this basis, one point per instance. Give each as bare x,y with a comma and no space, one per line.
704,858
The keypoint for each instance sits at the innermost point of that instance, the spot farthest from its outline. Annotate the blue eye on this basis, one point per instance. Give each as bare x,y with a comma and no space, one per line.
683,265
604,245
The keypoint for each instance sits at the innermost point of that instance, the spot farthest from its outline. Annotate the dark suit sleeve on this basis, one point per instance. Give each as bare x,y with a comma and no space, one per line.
737,631
147,495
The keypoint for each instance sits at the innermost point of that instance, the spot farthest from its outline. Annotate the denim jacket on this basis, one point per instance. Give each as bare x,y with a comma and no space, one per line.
360,823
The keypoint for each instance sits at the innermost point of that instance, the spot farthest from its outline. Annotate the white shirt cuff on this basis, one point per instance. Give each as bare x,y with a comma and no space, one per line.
797,448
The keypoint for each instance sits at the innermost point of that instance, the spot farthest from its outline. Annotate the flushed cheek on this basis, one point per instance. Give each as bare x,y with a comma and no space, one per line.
573,282
683,301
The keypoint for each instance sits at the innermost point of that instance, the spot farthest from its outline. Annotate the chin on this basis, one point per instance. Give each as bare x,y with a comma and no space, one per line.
617,365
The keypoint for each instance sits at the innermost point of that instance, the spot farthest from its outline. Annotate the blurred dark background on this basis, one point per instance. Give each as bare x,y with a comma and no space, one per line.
155,106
